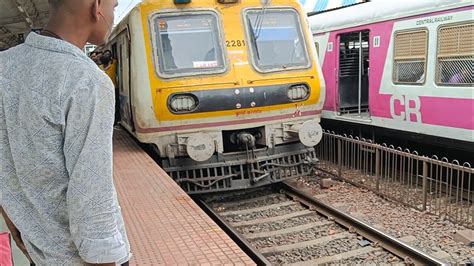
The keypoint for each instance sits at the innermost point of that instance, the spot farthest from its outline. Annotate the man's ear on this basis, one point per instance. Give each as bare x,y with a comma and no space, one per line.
95,10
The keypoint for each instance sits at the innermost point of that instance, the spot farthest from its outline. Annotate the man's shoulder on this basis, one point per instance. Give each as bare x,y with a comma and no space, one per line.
7,57
54,59
87,80
8,63
78,71
82,71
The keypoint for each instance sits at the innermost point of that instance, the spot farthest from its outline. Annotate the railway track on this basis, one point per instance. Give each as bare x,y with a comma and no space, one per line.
282,225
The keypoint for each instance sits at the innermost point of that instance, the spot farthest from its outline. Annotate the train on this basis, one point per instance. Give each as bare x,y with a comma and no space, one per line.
211,87
403,70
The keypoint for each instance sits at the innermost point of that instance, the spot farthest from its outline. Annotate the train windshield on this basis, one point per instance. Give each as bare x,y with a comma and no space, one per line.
188,44
276,38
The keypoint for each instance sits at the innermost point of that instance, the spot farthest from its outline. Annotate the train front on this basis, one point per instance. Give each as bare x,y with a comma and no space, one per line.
236,92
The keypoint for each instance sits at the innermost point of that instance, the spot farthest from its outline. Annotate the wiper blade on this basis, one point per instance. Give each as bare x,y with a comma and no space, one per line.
253,38
259,22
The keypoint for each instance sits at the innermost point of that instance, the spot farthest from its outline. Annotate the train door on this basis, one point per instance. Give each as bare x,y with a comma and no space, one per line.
354,73
126,117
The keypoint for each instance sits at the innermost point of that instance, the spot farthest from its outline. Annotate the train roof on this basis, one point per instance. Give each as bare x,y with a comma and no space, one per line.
119,27
378,10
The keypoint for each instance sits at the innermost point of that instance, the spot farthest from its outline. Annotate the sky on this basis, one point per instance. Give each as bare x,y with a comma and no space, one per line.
123,8
309,5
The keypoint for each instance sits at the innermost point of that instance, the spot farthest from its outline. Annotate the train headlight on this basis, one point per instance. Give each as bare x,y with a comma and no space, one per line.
183,103
298,92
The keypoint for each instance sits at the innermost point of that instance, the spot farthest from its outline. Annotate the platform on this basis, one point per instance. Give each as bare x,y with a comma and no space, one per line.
163,223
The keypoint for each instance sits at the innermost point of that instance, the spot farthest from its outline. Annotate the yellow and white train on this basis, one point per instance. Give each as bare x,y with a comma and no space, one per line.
228,92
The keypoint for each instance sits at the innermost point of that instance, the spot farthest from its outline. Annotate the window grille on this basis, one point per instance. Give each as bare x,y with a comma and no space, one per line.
410,52
455,57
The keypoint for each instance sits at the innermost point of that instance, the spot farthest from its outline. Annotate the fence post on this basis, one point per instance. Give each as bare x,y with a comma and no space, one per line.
425,184
377,169
339,157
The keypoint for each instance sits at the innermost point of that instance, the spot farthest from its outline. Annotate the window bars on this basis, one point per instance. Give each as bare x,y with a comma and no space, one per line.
410,53
455,55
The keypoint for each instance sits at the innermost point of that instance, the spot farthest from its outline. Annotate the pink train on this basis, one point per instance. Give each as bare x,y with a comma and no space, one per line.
403,67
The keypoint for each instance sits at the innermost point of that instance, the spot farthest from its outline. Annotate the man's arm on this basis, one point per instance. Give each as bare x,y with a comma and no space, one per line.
94,215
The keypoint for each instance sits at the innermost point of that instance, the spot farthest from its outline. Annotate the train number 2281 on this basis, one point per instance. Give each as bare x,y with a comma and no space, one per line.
235,43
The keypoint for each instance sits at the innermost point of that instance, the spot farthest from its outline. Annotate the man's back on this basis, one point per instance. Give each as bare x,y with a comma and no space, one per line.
56,118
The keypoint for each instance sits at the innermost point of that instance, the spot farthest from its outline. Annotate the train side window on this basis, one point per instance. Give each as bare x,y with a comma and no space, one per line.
455,55
410,57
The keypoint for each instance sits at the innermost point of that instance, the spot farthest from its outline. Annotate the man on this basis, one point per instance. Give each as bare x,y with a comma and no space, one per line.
95,56
56,123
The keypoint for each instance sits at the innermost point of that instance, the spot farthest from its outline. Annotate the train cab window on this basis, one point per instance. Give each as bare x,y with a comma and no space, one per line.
276,39
410,57
455,55
187,44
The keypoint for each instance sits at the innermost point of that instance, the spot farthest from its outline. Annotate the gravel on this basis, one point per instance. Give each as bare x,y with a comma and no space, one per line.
433,234
314,252
300,220
233,218
239,195
372,258
306,235
271,199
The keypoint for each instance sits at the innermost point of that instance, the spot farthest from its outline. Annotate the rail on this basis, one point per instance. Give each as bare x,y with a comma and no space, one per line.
232,220
434,185
397,247
256,256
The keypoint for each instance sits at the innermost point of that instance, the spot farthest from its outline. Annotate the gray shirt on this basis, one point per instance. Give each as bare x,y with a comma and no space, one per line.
56,124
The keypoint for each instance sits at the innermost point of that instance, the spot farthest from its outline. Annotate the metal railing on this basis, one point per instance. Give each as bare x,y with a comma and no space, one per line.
427,184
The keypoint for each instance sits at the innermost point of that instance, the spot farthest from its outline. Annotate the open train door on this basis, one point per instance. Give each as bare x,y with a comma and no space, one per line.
124,70
354,73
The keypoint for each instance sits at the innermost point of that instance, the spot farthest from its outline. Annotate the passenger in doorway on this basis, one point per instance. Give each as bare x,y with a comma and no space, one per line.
95,56
56,124
109,65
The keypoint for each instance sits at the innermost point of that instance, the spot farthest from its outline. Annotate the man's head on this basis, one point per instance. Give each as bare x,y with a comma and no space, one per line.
95,56
94,17
106,57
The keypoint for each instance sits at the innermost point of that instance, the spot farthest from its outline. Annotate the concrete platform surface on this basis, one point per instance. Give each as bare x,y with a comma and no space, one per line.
164,225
